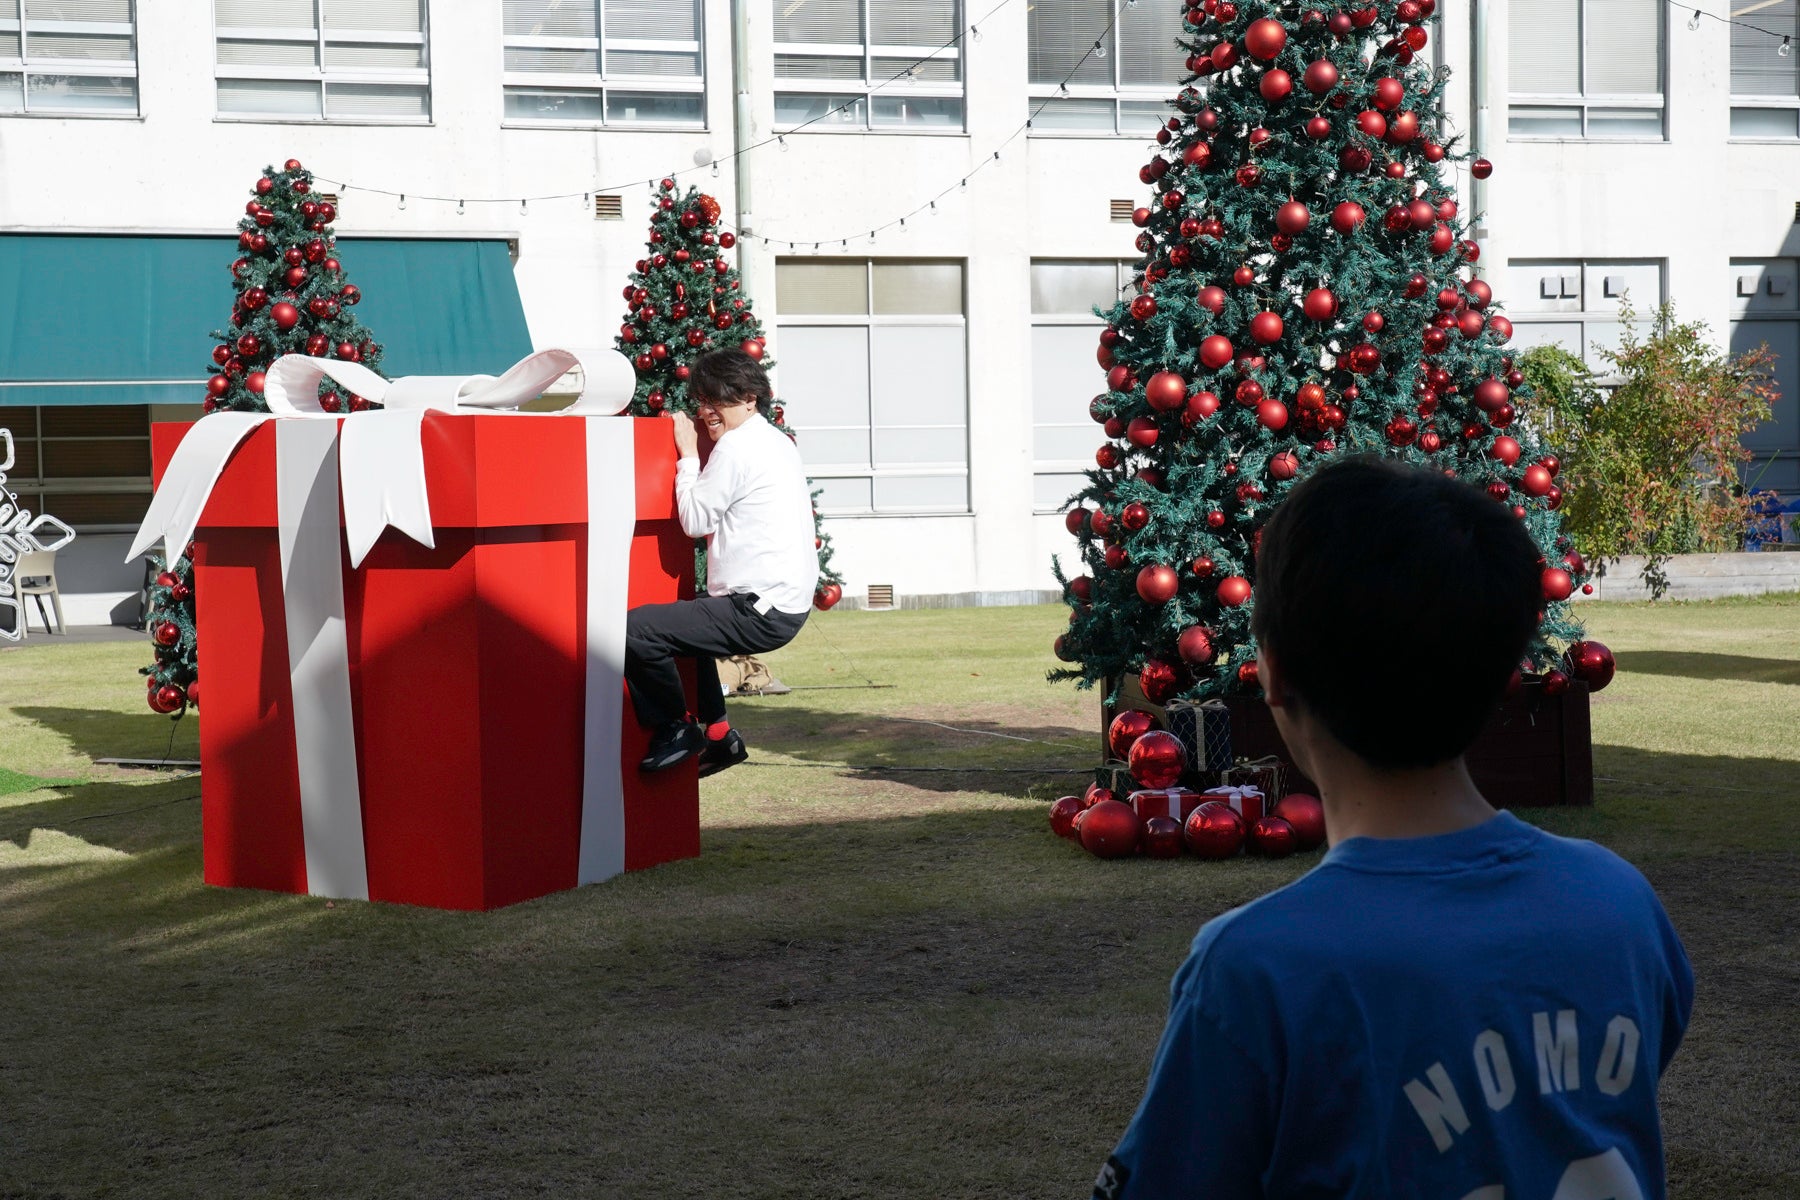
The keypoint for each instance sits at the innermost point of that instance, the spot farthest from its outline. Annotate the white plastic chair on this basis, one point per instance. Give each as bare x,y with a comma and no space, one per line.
35,576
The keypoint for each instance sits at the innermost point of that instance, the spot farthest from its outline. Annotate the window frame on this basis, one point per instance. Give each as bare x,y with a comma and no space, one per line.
321,74
1741,313
599,84
871,320
1587,316
1585,105
38,492
868,88
1126,272
1119,94
25,67
1764,102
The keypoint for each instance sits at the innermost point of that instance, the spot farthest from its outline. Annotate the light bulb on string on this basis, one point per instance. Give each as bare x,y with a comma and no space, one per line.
782,142
402,201
1099,49
459,208
1786,46
715,169
975,32
522,211
1694,21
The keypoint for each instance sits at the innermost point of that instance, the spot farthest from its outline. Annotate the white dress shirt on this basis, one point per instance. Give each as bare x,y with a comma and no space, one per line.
752,504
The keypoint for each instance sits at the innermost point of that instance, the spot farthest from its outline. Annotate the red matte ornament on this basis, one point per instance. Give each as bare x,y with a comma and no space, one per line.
1195,645
1158,584
1216,352
1233,591
1166,391
1265,38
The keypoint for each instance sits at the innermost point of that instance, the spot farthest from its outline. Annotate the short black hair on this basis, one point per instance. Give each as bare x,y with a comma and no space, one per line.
1397,603
730,375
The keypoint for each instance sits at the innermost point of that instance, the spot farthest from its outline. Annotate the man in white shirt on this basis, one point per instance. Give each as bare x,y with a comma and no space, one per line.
752,504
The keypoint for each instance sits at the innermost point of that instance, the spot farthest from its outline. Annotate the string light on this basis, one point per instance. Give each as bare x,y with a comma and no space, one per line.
1786,46
1099,50
459,208
402,201
1694,21
522,211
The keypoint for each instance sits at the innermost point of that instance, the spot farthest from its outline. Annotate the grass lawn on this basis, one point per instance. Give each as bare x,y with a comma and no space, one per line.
883,978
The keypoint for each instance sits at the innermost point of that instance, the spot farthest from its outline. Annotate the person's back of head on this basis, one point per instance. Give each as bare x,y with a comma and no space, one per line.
1396,602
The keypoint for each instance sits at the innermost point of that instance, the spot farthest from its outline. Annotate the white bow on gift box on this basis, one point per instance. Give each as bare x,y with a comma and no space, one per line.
378,459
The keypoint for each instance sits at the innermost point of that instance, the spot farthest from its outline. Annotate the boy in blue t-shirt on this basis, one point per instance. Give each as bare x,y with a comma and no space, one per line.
1453,1005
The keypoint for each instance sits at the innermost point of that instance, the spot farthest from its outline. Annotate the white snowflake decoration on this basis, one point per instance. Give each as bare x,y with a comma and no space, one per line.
20,533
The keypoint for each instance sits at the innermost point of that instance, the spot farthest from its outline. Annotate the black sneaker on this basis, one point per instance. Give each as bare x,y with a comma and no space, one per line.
673,745
727,751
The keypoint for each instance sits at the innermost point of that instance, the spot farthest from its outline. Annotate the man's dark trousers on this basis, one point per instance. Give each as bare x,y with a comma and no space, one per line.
704,629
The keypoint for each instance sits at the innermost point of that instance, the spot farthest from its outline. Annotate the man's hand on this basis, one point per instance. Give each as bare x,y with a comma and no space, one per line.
687,435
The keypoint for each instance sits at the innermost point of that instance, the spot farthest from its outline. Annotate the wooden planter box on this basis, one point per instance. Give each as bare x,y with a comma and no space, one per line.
1536,752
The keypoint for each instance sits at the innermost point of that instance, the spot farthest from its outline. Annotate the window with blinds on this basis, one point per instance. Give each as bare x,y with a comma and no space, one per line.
869,64
322,60
68,58
1103,66
1587,69
605,62
1765,81
87,464
874,376
1064,376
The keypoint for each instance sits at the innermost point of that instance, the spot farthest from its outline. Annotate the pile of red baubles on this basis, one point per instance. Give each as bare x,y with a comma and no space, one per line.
1108,827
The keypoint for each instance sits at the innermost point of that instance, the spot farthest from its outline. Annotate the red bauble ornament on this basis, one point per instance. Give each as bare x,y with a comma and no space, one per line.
1592,663
1157,584
1244,276
1348,217
1557,584
1204,567
1158,681
1212,299
1442,238
1141,432
1134,517
1481,168
1062,816
1505,450
1320,305
1195,646
1401,431
1284,466
1266,328
827,596
167,634
1111,829
1126,729
1372,124
1200,406
1166,391
1157,759
255,381
1321,76
1116,558
1234,590
1538,481
1249,394
1214,830
1292,217
1272,837
1306,815
347,351
1162,837
1265,38
1276,85
164,699
1247,674
285,315
1249,175
1143,307
1555,683
1389,93
1216,351
1272,414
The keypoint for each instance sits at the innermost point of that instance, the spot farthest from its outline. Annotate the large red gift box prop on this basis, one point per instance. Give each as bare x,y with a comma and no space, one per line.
472,696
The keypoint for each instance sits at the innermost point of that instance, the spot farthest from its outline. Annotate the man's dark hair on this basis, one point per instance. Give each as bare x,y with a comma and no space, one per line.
1397,603
729,376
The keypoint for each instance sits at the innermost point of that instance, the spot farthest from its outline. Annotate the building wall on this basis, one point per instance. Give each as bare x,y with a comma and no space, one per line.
1695,202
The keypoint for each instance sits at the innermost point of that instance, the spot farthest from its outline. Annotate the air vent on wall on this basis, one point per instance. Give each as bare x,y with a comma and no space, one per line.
1122,210
881,595
330,198
1797,212
609,208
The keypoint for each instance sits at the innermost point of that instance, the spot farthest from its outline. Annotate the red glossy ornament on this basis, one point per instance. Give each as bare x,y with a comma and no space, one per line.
1110,829
1538,481
1216,351
1320,304
1143,307
1555,683
1557,584
1204,566
1442,238
1126,729
1372,123
1348,217
164,699
1292,217
1266,328
1272,837
1249,393
1162,837
1306,815
1195,646
255,381
1158,681
1481,168
1062,816
1249,175
1116,558
1272,414
167,634
1320,77
1214,830
1166,391
1244,276
1141,432
1158,584
1401,431
1592,663
1200,406
1234,590
1157,759
1506,450
1389,92
1318,128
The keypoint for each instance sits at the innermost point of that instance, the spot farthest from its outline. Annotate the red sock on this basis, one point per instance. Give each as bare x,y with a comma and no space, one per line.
717,730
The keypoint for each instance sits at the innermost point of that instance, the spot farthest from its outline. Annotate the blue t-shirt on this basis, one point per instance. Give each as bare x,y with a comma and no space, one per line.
1480,1015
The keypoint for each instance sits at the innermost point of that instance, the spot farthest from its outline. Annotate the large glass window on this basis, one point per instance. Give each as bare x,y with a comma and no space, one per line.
1064,374
1766,311
323,60
68,57
1125,86
846,54
86,464
874,375
1765,72
605,62
1586,69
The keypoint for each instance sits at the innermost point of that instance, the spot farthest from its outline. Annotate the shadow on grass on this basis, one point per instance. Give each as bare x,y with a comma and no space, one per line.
103,733
952,756
1711,666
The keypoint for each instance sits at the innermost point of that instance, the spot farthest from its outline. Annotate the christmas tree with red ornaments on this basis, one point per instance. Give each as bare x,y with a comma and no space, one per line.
685,300
1306,289
293,297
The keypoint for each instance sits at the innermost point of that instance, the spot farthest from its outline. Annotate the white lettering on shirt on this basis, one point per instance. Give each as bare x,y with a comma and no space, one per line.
1493,1067
1438,1106
1558,1055
1618,1057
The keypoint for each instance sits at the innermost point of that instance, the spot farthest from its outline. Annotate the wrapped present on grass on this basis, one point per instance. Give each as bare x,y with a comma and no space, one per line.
1205,732
1176,803
1247,801
437,718
1267,775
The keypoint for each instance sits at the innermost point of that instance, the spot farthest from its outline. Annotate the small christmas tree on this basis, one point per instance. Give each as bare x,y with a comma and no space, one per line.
1306,290
293,297
685,300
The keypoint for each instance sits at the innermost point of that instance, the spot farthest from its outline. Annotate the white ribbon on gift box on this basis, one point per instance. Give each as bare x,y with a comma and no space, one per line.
1172,797
1234,794
378,458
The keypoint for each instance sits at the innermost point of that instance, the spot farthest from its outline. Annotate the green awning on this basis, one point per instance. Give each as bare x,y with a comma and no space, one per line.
128,320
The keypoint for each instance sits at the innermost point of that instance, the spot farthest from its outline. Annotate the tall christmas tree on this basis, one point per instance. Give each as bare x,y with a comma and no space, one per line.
687,299
1306,290
293,297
